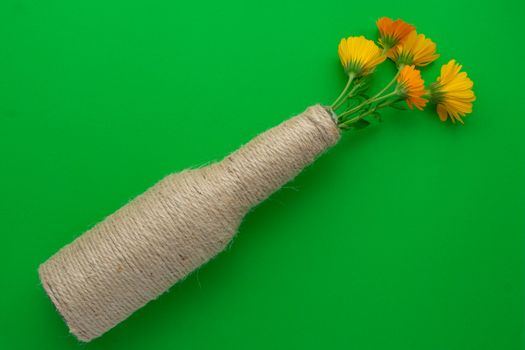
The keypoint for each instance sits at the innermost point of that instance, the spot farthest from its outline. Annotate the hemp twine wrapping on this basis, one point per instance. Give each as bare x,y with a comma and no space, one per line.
180,223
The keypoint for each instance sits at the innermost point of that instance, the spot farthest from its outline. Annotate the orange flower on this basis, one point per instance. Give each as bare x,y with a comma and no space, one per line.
392,33
411,87
359,56
415,50
452,93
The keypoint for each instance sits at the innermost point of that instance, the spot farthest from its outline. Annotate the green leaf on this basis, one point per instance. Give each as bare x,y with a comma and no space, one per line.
358,99
377,116
353,102
402,107
360,124
366,108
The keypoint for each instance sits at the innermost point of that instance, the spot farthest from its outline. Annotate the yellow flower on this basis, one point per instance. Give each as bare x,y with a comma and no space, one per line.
411,87
452,93
359,56
392,33
416,49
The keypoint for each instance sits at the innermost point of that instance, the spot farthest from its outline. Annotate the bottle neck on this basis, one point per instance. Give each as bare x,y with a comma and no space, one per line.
276,156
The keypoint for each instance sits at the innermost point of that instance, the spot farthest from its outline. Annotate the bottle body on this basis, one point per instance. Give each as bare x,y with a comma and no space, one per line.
180,223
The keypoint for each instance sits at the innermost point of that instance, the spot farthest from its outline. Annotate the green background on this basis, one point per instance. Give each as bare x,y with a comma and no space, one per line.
407,235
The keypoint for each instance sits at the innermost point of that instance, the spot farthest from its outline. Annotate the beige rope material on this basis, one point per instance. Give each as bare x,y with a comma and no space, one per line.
140,251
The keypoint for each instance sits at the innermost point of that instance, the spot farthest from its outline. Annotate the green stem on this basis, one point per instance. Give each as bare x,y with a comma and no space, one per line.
350,94
371,111
387,86
375,98
350,79
381,98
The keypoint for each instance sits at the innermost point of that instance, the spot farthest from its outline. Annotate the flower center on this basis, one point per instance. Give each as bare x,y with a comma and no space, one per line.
435,95
388,42
405,58
401,90
354,68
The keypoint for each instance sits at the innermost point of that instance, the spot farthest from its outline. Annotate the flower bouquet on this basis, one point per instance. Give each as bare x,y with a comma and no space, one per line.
187,218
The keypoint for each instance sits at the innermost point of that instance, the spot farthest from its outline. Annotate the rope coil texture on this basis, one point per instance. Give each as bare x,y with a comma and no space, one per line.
141,250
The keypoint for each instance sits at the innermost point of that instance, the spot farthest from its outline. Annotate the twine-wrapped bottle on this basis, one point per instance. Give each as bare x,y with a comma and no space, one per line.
177,225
